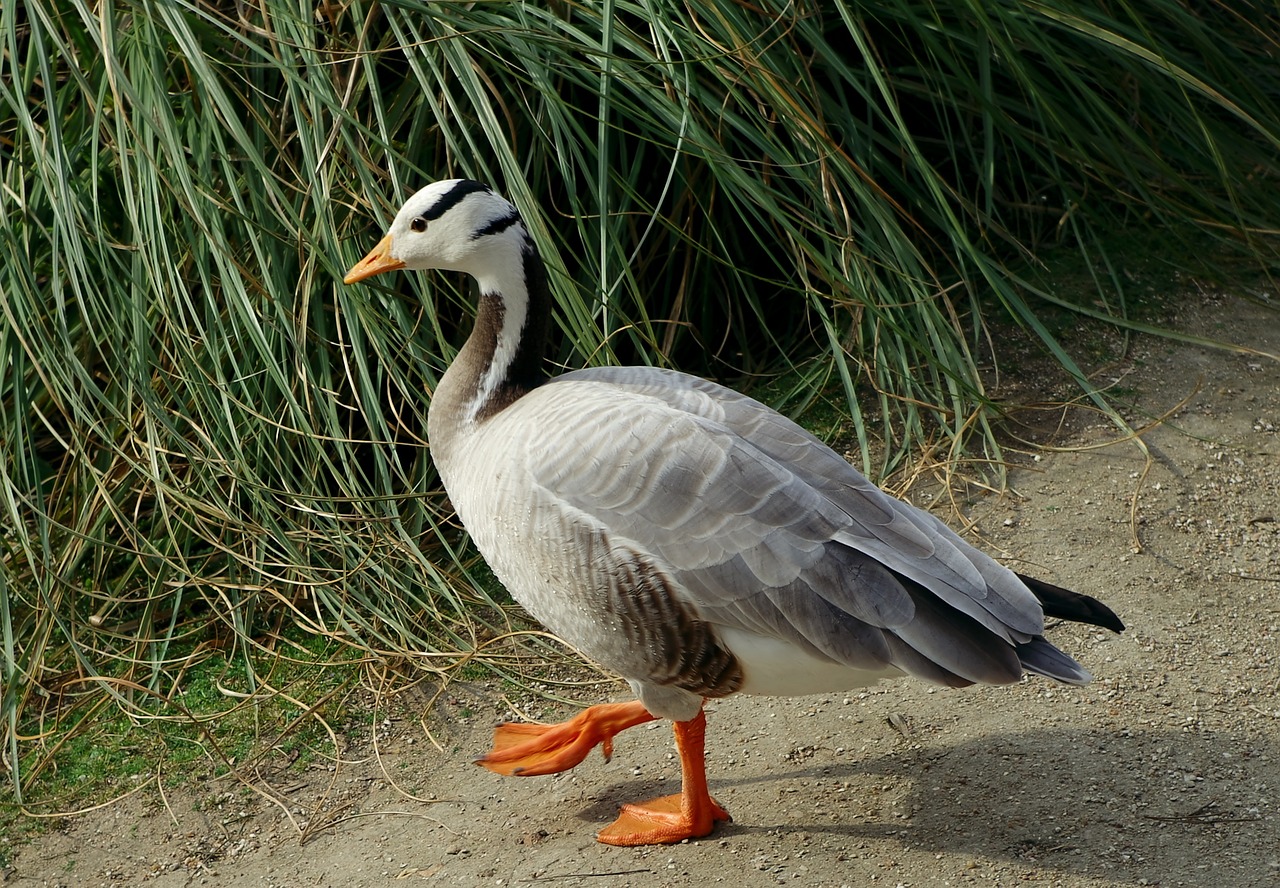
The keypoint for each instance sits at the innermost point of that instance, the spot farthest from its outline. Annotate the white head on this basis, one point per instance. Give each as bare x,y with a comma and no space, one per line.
451,225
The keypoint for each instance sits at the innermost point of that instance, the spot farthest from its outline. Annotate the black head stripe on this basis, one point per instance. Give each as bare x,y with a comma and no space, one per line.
453,197
497,226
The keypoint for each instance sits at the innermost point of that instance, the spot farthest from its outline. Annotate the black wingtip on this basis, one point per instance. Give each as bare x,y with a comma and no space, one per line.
1067,605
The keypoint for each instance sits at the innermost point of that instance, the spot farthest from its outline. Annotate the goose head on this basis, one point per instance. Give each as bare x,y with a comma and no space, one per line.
463,225
453,225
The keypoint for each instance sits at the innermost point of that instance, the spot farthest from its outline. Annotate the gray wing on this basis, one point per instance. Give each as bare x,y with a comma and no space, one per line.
764,528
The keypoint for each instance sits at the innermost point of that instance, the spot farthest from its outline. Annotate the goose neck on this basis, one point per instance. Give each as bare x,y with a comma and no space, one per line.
503,357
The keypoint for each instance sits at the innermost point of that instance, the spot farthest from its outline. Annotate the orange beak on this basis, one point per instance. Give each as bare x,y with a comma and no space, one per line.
376,262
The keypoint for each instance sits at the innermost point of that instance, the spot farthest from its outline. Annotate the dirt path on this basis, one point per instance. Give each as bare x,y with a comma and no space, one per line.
1165,771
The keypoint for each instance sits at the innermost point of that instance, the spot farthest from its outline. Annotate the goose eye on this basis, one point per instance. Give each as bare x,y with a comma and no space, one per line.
419,224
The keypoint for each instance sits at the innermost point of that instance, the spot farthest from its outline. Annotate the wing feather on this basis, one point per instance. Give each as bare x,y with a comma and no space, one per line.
766,529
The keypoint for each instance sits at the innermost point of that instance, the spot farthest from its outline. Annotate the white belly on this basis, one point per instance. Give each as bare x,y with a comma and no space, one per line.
774,668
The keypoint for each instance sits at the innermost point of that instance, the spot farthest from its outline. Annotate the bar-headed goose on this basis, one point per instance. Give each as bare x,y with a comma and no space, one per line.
684,535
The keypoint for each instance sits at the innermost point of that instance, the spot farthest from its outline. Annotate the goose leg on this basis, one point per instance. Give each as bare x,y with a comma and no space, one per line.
689,815
525,750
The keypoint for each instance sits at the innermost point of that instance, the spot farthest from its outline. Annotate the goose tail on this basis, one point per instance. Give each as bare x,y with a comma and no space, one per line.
1041,657
1067,605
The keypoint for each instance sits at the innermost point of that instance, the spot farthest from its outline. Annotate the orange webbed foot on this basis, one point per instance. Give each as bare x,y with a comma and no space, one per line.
664,821
525,750
690,815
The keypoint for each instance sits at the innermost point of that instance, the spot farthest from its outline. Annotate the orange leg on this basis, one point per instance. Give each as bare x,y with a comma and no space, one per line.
524,750
689,815
531,750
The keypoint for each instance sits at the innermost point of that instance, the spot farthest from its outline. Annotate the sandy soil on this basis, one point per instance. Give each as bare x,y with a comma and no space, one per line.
1165,771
